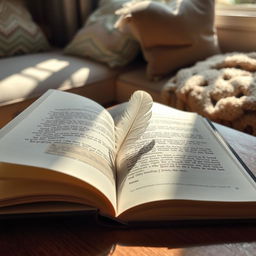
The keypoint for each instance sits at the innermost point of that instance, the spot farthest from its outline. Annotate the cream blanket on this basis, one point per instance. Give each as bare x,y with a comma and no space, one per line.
221,88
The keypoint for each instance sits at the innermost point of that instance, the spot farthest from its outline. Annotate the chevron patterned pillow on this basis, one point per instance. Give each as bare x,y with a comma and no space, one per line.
101,41
18,33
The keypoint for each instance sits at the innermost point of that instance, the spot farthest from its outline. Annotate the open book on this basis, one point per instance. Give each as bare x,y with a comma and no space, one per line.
138,162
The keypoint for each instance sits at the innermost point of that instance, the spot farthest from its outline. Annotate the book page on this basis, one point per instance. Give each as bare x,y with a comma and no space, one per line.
179,157
66,133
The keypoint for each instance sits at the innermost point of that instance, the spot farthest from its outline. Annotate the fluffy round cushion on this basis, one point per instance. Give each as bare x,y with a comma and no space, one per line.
221,88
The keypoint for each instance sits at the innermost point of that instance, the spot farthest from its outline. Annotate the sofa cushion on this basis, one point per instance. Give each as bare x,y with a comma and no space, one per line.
101,41
136,79
24,78
28,76
18,33
173,34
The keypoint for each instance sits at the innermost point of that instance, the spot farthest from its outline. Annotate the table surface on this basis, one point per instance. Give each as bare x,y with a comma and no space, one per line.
80,237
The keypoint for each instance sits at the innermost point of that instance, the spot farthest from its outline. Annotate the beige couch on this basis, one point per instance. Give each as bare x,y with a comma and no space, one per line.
24,78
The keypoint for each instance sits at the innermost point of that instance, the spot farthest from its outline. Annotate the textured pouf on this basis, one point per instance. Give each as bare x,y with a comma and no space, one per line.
221,88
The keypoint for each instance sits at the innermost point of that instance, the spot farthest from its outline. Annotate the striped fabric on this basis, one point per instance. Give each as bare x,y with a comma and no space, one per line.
101,41
18,33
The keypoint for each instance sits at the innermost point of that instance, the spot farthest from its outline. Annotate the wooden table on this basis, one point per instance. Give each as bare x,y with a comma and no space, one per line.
81,237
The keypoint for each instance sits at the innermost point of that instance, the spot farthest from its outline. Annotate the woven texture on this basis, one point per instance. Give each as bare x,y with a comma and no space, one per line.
101,41
18,33
221,88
